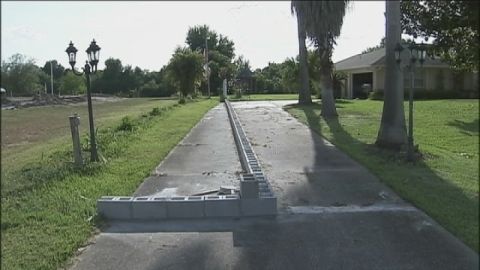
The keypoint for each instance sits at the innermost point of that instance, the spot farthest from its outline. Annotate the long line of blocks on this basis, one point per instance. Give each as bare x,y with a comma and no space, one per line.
254,183
158,208
256,195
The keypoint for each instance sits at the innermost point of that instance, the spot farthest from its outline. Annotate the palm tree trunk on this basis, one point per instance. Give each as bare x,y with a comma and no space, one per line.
326,83
304,96
392,132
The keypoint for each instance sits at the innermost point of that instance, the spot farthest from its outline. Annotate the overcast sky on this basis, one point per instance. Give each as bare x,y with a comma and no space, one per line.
145,34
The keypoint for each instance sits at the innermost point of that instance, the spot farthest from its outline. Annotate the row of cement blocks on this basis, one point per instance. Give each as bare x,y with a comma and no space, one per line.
158,208
253,183
248,158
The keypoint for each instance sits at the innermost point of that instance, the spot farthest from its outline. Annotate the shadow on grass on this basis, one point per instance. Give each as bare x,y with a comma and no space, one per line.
416,183
472,127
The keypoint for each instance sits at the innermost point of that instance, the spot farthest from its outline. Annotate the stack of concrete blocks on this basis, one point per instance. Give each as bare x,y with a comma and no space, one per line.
158,208
257,197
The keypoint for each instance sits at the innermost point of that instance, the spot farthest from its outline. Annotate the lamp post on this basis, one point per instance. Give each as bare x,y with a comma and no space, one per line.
93,53
416,52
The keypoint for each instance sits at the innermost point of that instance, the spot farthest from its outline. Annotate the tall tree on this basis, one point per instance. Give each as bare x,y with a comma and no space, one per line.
112,76
453,25
20,75
323,21
72,84
304,95
392,133
58,72
221,52
185,69
290,78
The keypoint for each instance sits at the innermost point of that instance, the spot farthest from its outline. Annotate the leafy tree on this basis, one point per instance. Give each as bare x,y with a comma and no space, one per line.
72,84
382,45
322,23
185,70
453,25
392,132
304,95
58,72
20,75
290,77
379,46
112,76
243,73
314,71
221,52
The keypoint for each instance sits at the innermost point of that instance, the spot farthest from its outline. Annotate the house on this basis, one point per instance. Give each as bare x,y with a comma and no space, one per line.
366,72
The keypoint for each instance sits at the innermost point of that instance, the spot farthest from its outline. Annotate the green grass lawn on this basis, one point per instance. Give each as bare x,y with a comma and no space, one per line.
444,183
265,97
27,133
43,223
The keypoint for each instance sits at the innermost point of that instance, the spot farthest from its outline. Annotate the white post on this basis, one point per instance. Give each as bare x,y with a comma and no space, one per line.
224,88
77,150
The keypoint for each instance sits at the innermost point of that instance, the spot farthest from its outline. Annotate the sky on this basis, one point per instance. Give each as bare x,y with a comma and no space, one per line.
145,34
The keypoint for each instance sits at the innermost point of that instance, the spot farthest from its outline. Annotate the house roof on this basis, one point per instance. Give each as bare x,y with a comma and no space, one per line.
361,60
377,58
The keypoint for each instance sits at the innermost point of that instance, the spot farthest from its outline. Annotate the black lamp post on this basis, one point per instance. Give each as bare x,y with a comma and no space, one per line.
93,53
416,51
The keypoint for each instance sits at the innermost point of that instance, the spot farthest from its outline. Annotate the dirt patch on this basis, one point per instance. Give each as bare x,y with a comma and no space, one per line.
43,99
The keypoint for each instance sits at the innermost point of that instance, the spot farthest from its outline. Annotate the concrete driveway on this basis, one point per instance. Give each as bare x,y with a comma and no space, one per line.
333,214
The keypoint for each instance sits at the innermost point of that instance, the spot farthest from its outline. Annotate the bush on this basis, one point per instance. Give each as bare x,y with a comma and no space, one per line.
127,124
420,94
155,111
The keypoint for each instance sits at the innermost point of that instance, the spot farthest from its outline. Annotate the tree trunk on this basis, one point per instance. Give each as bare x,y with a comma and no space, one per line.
326,83
304,96
392,132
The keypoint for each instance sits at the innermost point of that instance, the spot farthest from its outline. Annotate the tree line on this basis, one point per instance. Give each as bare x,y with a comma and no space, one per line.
183,74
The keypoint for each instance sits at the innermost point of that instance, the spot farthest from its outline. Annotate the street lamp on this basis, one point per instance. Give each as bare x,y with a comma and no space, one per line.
93,53
416,51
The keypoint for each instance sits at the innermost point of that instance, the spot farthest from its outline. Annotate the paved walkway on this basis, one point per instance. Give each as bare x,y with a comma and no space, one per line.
204,160
333,215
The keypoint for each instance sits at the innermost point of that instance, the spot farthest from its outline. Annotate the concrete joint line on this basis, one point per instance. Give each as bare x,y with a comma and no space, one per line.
349,209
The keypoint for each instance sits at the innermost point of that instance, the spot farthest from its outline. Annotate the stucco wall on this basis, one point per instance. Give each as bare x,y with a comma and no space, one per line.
435,78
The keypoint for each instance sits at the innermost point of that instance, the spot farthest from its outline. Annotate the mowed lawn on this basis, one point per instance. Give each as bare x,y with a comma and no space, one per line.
247,97
48,206
444,183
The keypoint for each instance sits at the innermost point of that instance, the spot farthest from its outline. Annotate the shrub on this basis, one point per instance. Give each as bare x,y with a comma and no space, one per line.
127,124
428,94
155,111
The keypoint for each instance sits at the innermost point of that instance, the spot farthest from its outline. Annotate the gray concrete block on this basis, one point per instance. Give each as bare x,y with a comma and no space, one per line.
186,207
248,186
222,206
115,207
149,208
259,207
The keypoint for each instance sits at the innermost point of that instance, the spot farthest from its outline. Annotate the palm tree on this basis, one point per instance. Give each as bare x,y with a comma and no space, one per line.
185,70
322,22
392,132
304,95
